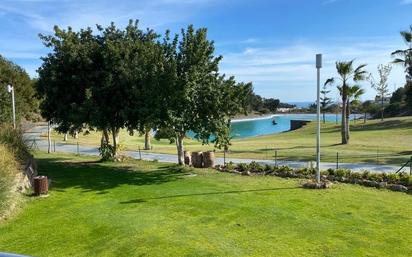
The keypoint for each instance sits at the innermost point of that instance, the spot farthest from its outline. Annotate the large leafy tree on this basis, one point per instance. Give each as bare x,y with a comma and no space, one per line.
26,102
199,98
64,78
347,73
92,79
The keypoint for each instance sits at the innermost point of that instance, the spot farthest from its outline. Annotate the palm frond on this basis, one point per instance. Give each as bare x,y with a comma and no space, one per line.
398,61
399,53
329,81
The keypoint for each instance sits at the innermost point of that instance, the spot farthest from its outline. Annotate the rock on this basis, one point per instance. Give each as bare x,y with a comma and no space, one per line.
327,184
356,181
382,184
370,183
246,173
315,185
399,188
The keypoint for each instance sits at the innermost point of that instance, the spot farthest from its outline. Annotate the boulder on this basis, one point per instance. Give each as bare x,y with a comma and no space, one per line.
399,188
315,185
382,184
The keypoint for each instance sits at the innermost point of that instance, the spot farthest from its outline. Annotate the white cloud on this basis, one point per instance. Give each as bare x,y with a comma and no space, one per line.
293,65
44,14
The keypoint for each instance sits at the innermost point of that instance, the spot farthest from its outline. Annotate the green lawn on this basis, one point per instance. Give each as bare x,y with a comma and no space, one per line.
387,142
141,208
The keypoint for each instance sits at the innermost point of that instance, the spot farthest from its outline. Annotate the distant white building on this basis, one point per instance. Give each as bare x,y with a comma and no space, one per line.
286,109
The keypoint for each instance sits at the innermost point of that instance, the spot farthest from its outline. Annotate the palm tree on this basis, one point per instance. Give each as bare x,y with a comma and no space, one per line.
354,94
347,73
404,57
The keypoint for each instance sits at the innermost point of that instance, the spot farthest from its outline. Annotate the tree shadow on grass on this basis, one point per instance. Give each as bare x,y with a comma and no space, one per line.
141,200
100,177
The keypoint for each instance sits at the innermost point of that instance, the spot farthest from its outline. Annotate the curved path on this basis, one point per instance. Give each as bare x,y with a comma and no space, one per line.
33,136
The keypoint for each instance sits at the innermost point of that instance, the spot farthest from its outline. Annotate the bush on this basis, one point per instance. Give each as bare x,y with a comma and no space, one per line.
14,141
343,173
106,151
242,167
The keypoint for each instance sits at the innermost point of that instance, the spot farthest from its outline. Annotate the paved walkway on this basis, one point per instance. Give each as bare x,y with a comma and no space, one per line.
33,135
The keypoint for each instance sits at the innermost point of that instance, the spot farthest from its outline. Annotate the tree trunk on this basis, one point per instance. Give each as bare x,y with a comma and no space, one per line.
324,118
180,149
364,118
48,137
348,120
76,135
382,109
65,137
147,135
115,135
106,136
344,122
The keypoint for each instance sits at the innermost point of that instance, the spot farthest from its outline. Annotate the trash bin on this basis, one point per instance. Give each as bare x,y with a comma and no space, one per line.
41,185
208,159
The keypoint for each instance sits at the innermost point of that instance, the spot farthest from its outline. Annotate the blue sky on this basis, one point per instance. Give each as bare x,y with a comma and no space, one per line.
270,43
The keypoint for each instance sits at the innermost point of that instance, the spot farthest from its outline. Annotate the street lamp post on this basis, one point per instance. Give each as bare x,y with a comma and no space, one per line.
10,89
318,67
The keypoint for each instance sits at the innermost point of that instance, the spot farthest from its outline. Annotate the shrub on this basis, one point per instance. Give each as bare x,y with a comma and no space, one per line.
355,175
242,167
106,151
255,167
14,141
365,174
343,173
268,167
392,178
405,179
230,166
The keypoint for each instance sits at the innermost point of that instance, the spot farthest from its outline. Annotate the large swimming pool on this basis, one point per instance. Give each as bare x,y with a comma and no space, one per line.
264,126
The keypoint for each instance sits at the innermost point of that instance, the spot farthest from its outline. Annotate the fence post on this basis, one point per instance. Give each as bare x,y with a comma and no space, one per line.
78,150
140,153
377,156
410,166
337,160
276,157
224,157
266,150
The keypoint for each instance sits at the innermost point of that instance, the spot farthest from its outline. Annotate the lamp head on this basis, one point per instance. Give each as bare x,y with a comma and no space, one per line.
9,88
319,61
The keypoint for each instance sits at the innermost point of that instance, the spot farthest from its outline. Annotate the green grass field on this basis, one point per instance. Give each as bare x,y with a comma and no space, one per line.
387,142
139,208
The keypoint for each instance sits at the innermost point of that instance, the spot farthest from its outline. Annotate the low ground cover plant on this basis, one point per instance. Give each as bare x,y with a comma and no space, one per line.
394,181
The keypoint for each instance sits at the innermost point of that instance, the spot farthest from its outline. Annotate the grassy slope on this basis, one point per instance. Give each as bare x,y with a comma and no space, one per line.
8,172
388,139
151,209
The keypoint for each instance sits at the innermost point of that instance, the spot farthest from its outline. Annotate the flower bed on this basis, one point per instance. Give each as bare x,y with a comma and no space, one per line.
397,182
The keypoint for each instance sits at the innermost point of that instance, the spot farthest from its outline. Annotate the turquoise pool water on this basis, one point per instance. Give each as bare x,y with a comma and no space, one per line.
264,126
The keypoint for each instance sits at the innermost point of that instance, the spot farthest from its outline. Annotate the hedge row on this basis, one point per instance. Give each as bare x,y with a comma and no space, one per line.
397,182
